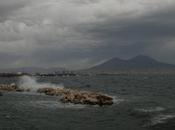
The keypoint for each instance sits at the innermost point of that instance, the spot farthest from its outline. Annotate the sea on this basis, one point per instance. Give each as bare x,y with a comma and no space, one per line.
141,102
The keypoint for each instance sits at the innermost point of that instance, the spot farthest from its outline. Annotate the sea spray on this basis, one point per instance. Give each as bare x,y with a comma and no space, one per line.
31,84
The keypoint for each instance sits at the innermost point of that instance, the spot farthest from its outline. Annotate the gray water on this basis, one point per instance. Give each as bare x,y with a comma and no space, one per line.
142,102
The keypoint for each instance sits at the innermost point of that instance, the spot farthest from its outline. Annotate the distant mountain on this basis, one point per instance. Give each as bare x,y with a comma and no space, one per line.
137,63
31,70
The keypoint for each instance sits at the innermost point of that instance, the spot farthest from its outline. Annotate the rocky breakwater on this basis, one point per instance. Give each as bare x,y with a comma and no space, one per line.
67,95
78,97
9,87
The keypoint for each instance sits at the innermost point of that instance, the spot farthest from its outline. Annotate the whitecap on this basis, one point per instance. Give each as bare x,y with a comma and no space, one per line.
163,118
117,100
151,109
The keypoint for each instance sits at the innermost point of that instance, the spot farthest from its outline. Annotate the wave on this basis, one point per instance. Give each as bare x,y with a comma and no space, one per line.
117,100
160,119
150,110
50,104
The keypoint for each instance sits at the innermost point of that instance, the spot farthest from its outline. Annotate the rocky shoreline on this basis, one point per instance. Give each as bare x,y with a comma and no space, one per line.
67,95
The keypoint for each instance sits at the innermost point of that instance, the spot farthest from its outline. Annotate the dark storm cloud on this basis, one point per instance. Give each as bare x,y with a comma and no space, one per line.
8,59
132,37
7,7
156,25
84,1
78,34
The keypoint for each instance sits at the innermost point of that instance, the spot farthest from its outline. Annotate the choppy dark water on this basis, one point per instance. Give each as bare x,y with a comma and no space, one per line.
142,102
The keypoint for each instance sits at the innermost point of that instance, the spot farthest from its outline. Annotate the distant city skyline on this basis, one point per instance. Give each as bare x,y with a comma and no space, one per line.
77,34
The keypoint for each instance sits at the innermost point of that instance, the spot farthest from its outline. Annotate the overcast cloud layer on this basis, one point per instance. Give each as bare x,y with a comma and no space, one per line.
80,33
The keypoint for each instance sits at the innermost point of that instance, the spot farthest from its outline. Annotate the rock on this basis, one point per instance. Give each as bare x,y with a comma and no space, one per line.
47,91
4,87
20,90
8,88
14,86
78,97
90,98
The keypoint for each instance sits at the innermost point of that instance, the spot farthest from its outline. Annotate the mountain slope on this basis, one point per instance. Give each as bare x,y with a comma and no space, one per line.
139,62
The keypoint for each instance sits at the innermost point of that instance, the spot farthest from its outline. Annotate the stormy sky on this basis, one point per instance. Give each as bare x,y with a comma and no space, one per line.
80,33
